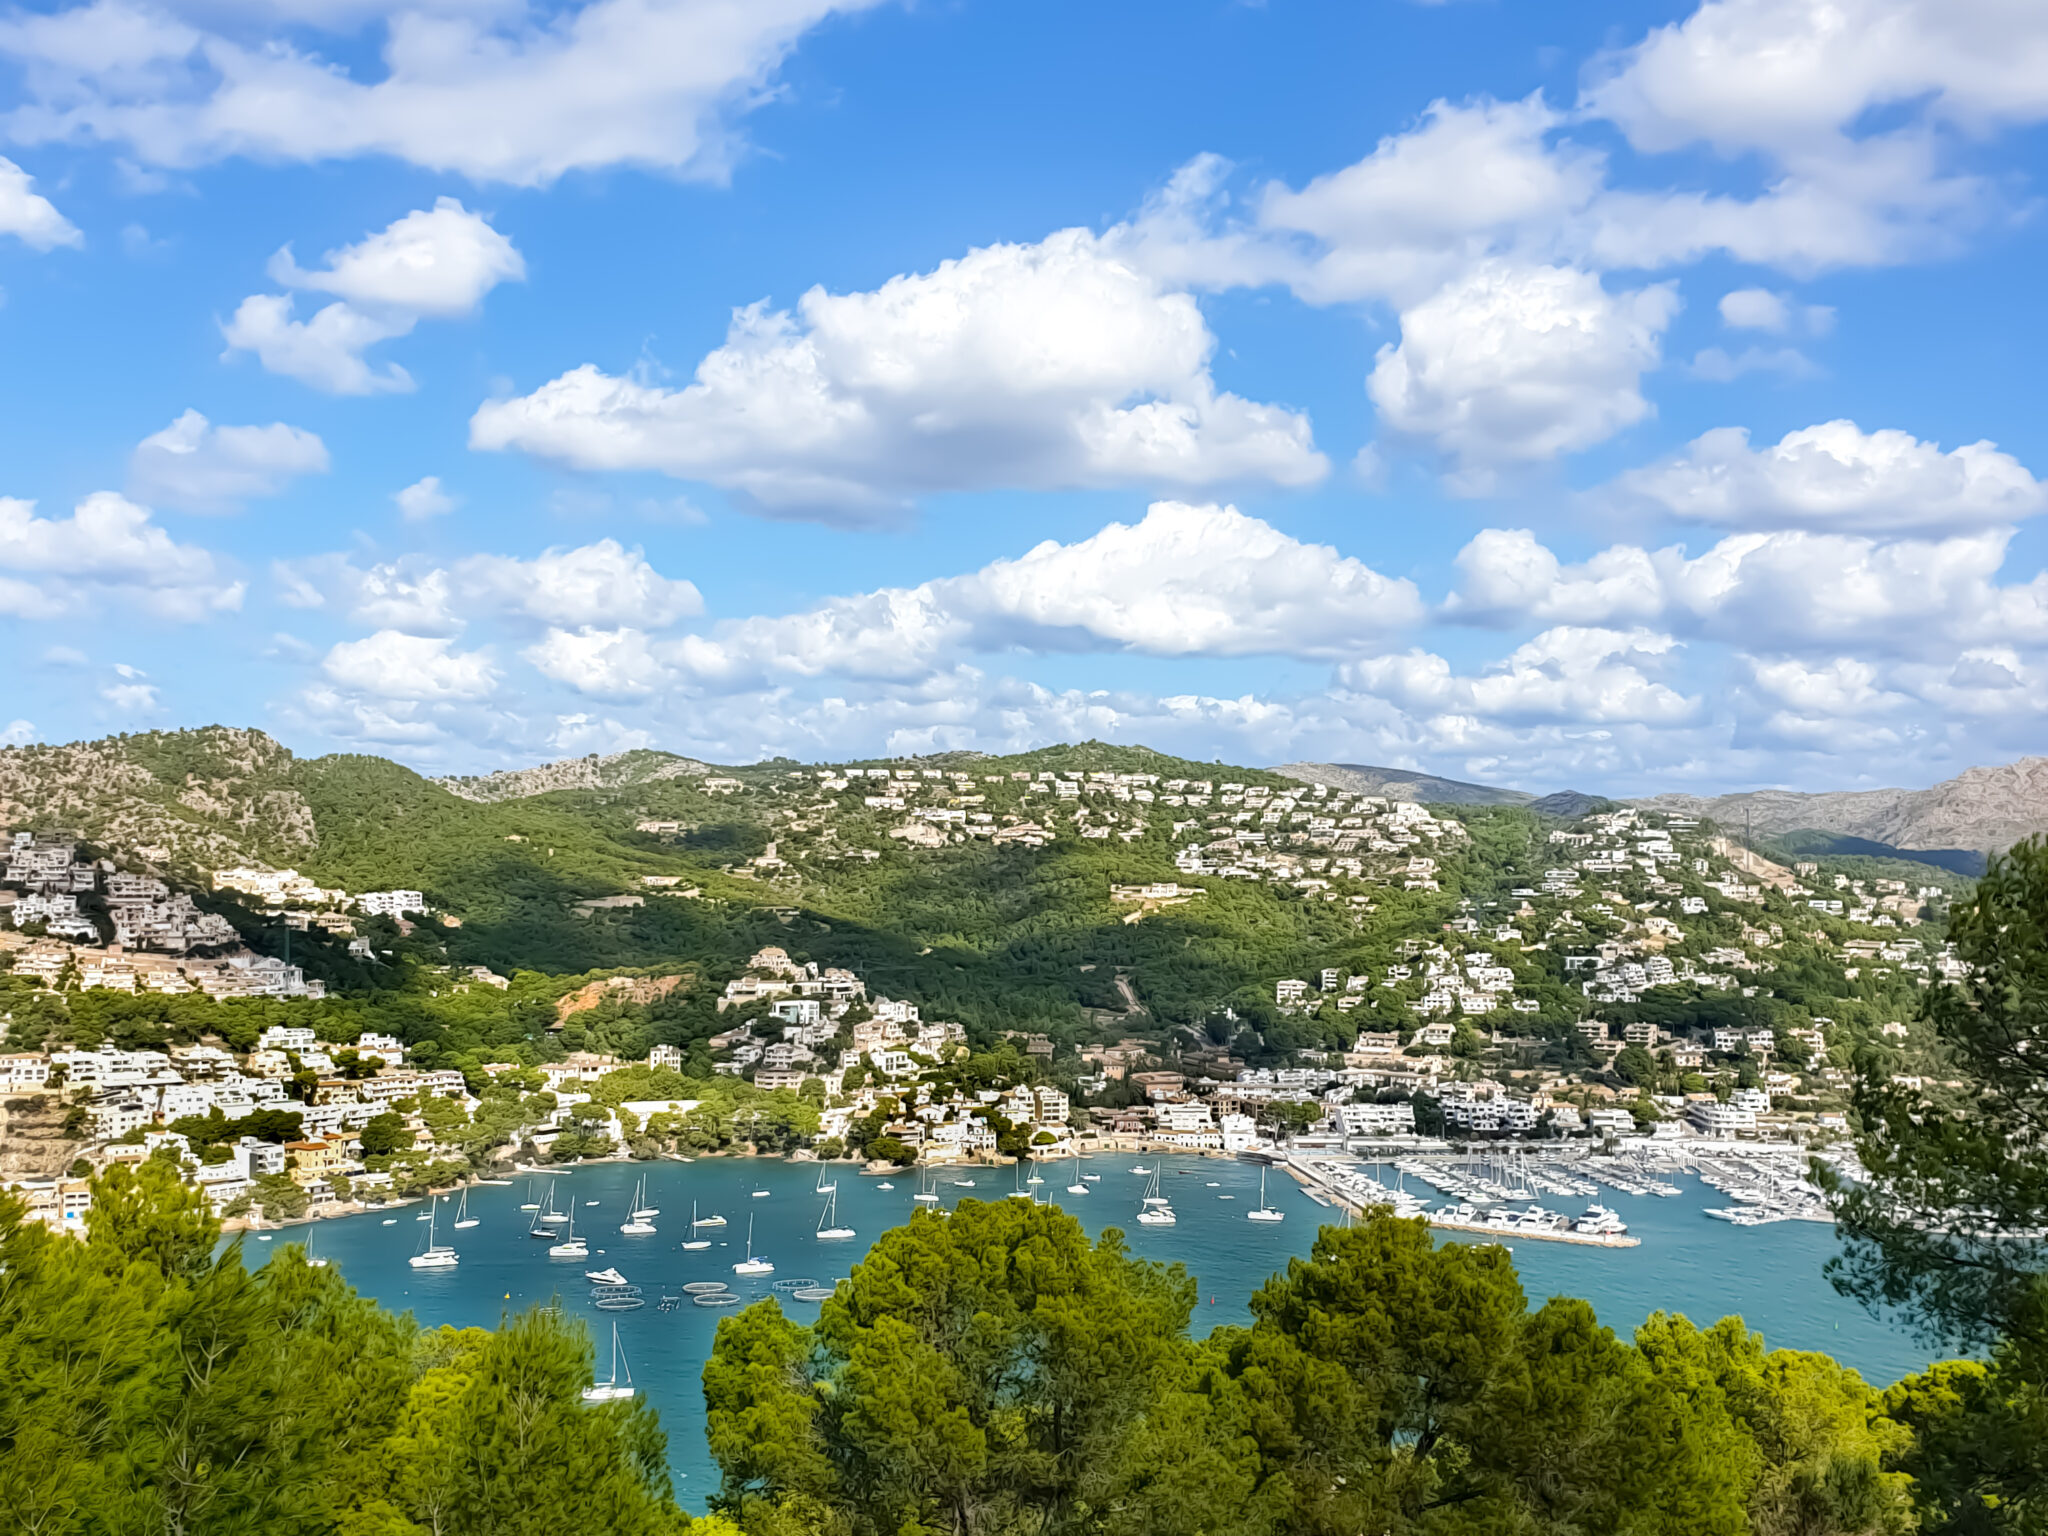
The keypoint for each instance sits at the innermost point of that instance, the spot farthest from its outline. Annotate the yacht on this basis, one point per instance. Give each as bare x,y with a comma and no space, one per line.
885,1184
463,1220
434,1255
604,1277
828,1220
751,1265
612,1390
1141,1168
1265,1212
704,1221
636,1223
571,1246
1156,1210
1599,1221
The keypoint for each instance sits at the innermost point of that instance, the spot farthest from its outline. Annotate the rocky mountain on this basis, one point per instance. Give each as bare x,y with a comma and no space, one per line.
612,770
1402,784
1980,809
207,798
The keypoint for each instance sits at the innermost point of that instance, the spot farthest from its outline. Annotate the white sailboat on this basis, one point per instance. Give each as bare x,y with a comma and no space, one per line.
926,1195
828,1219
311,1262
824,1188
530,1204
549,1215
694,1243
434,1255
1017,1190
571,1246
612,1390
463,1220
1156,1211
1077,1187
751,1265
636,1223
1265,1212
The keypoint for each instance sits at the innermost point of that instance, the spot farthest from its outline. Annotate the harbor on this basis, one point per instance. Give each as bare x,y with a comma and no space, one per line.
675,1283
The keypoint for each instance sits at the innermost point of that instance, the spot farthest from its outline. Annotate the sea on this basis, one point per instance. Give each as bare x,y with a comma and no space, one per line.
1769,1275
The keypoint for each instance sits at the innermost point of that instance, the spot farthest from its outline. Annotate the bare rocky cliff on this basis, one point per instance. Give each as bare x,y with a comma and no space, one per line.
615,770
1984,809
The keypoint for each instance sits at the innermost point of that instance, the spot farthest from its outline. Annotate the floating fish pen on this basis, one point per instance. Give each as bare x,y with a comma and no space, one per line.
720,1299
704,1287
794,1285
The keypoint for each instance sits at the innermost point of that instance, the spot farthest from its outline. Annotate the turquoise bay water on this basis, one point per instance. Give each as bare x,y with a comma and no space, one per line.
1687,1263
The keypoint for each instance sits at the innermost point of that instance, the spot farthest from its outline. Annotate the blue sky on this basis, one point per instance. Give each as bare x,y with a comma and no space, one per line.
1612,396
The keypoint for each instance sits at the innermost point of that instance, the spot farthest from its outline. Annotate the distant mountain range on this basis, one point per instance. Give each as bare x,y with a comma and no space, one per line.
1953,824
217,795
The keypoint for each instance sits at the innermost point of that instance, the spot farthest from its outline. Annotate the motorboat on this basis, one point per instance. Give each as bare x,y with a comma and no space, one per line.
704,1221
695,1243
1599,1221
1265,1212
751,1265
612,1390
606,1276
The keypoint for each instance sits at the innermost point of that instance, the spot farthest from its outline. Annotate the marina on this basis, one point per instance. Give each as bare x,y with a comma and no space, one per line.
666,1295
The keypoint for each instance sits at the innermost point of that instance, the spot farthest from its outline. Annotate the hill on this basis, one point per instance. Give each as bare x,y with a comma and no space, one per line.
612,770
1979,810
1402,784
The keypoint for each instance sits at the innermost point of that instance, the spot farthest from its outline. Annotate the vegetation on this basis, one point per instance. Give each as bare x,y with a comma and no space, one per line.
994,1372
148,1384
1949,1224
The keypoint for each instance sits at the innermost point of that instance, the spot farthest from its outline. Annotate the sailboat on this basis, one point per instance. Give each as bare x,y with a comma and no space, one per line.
463,1220
612,1390
751,1265
824,1188
434,1255
695,1242
925,1195
636,1225
1265,1212
530,1203
311,1262
1017,1191
828,1220
1077,1187
642,1211
1156,1211
571,1246
550,1215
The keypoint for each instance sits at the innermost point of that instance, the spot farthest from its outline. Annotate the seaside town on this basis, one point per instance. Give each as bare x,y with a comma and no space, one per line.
1441,1051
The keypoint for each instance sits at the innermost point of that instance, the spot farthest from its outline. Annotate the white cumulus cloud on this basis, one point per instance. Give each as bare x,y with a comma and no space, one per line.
107,553
424,499
510,92
394,665
200,467
1042,366
1513,365
29,216
1835,475
430,264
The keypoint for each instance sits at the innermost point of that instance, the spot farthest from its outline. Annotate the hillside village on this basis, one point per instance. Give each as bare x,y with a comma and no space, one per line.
1607,979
